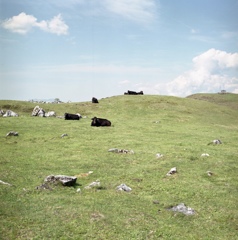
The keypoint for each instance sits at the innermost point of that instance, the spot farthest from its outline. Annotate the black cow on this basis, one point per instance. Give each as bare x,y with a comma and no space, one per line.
100,122
70,116
133,93
94,100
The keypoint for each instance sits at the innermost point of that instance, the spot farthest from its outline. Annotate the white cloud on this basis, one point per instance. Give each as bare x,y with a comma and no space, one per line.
23,23
212,70
56,25
142,11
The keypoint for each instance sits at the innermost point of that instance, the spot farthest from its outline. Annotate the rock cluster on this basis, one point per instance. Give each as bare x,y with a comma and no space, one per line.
117,150
37,111
123,187
65,180
183,209
12,133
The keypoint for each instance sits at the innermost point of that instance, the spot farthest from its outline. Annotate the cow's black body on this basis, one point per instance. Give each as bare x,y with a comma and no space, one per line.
94,100
70,116
133,93
100,122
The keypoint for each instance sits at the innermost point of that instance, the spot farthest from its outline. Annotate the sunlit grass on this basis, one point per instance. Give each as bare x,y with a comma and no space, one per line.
180,129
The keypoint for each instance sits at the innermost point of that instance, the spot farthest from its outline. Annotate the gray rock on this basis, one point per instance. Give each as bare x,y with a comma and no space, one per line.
209,173
215,142
117,150
183,209
11,133
37,111
123,187
159,155
10,113
65,180
172,171
93,184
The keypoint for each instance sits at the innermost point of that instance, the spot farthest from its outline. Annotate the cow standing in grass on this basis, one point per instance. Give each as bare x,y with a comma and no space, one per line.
100,122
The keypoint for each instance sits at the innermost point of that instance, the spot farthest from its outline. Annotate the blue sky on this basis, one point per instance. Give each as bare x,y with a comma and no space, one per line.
77,49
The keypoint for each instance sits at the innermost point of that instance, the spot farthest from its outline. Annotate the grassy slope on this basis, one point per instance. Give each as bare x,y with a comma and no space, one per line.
178,128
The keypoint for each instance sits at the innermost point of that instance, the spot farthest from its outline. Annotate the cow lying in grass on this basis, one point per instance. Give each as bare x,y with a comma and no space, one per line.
70,116
133,93
94,100
100,122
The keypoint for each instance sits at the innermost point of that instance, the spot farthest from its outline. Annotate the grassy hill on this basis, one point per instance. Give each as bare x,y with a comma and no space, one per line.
227,99
178,128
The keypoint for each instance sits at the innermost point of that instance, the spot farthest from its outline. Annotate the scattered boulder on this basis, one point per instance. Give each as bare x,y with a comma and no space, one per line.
41,113
11,133
10,113
117,150
209,173
215,142
172,171
64,135
205,155
65,180
183,209
37,111
50,114
93,184
123,187
159,155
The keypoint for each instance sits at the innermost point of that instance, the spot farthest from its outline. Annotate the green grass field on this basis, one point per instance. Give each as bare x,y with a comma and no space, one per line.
178,128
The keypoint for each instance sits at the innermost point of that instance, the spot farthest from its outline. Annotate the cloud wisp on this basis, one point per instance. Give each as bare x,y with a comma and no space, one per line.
23,23
141,11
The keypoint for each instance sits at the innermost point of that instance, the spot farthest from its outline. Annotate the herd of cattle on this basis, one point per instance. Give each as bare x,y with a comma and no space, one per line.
40,112
37,111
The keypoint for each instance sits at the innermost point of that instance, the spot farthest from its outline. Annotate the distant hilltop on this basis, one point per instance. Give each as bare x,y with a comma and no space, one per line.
50,100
